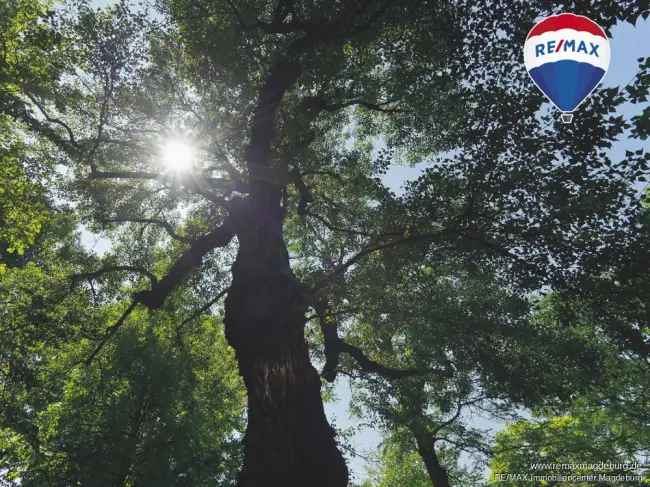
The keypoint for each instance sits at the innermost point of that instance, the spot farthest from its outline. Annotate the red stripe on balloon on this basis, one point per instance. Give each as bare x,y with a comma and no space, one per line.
567,21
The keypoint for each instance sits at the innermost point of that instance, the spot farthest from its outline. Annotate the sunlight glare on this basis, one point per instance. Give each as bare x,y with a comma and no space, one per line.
177,155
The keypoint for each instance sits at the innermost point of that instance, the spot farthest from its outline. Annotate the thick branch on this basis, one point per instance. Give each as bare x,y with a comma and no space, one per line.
443,425
186,264
286,71
334,346
305,193
371,248
320,103
369,365
332,342
375,247
350,231
53,120
200,186
281,77
18,110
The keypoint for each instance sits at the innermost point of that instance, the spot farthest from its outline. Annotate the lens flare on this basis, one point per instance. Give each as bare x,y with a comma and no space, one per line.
177,156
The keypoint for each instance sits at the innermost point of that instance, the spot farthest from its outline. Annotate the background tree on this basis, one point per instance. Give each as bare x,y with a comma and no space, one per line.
582,438
606,424
161,405
440,380
401,464
24,44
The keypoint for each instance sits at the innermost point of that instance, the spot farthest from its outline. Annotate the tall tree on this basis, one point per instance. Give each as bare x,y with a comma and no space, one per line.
265,92
161,405
439,378
400,464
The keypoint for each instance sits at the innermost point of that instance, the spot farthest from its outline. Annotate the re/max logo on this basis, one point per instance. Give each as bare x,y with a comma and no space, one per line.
568,45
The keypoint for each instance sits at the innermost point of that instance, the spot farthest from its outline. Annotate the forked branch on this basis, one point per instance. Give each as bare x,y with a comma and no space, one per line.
335,346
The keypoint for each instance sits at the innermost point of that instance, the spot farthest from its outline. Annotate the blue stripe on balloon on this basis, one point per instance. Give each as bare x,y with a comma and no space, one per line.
567,82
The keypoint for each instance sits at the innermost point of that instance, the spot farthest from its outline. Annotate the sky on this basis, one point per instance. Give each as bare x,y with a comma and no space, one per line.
628,43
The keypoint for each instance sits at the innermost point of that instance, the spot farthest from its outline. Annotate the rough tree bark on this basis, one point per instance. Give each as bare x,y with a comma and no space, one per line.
288,440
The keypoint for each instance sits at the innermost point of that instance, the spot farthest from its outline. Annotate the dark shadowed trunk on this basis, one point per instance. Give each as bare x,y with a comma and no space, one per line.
437,473
288,441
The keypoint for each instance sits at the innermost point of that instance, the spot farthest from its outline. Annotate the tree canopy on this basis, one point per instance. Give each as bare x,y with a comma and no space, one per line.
233,155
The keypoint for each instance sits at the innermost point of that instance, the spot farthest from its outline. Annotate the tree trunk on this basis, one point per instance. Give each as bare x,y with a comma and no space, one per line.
288,440
437,473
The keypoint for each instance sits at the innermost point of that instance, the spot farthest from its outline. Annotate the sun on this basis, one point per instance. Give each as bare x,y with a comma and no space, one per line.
177,155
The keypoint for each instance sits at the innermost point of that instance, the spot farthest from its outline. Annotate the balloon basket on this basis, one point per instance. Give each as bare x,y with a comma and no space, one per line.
566,117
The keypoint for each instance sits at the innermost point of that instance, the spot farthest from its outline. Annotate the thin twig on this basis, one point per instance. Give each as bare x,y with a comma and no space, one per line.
203,308
110,332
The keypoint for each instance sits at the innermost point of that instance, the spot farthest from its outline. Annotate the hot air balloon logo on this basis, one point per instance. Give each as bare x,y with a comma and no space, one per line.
567,56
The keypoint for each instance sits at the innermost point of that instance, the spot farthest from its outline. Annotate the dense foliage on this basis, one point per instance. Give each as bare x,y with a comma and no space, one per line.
232,158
